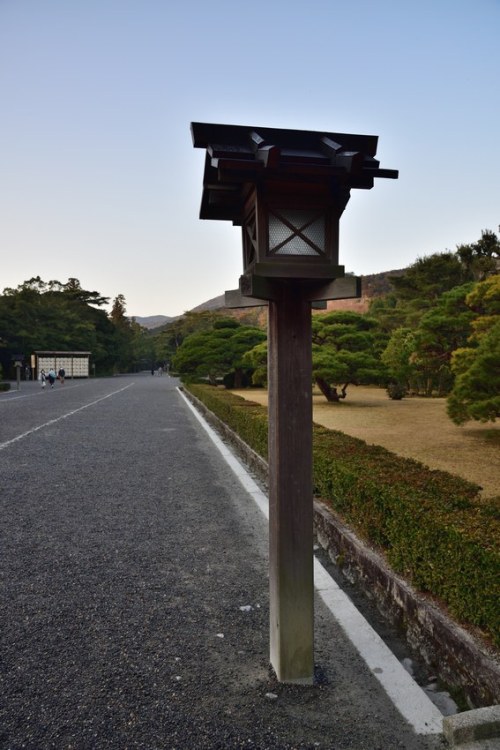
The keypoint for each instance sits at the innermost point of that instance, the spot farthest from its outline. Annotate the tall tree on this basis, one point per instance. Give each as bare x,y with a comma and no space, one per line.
216,352
389,312
444,328
476,391
118,312
256,361
482,258
427,278
167,341
131,342
346,351
398,358
40,315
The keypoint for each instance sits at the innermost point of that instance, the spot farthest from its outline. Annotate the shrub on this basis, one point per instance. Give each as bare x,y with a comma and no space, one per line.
396,391
247,419
432,526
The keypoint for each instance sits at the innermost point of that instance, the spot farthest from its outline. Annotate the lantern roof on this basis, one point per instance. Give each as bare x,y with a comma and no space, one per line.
239,157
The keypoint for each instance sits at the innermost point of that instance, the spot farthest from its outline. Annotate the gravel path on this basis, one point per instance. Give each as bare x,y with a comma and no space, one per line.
134,603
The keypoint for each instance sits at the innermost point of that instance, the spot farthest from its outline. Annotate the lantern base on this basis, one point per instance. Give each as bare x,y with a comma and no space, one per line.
264,289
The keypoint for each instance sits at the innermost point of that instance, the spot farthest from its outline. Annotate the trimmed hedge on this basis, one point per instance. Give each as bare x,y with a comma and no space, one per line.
4,386
432,526
247,419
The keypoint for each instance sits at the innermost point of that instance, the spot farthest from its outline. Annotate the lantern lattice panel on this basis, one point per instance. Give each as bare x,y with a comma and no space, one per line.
296,232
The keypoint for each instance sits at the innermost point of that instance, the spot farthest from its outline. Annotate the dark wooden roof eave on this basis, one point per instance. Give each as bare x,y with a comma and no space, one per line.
208,134
240,157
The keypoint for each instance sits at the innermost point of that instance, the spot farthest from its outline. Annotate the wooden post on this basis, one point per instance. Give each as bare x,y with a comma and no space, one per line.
290,485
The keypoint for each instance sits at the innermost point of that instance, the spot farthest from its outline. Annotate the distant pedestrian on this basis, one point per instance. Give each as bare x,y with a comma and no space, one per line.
52,377
61,375
160,370
43,378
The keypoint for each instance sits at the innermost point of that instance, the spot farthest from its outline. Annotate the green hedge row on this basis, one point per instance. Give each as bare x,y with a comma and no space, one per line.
4,386
432,526
247,419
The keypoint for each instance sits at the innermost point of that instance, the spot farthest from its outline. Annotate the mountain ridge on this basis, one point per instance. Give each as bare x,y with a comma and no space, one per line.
152,321
372,285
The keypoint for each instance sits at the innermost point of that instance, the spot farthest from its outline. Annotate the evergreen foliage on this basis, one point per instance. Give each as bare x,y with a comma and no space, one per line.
419,358
481,259
434,333
217,351
51,316
346,351
170,338
435,316
256,361
476,365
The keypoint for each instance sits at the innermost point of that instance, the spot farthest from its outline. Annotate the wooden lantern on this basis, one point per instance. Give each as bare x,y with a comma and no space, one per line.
287,190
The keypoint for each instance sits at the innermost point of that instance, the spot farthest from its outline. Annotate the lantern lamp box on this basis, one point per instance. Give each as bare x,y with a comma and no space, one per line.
287,189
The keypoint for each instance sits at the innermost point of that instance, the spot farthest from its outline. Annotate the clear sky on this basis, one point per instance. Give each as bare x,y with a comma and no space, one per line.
98,176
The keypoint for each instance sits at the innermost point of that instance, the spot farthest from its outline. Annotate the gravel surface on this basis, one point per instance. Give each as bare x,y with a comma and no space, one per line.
134,607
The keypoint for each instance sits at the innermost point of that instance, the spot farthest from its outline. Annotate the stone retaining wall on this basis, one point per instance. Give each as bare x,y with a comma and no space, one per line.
456,656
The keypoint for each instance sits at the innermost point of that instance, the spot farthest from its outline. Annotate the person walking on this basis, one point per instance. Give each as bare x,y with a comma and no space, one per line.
52,377
43,378
61,374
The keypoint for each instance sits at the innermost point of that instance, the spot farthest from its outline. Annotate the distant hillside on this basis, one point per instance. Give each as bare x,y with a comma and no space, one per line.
152,321
372,285
212,304
376,284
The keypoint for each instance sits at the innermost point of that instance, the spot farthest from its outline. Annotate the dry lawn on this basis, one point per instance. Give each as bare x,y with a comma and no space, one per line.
415,428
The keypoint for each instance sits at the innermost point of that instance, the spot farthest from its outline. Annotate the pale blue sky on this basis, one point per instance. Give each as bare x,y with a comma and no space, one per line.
98,176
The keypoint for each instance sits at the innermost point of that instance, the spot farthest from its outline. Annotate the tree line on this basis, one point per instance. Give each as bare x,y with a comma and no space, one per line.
55,316
437,332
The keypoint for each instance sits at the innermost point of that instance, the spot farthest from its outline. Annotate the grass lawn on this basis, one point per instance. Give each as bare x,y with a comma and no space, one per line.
416,428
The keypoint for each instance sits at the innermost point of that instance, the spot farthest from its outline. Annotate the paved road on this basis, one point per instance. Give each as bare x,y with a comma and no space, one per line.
134,602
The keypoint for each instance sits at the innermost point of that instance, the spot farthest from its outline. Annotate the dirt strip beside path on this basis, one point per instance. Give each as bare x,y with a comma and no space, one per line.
415,428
